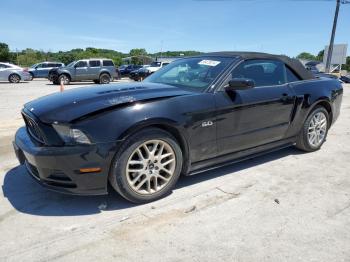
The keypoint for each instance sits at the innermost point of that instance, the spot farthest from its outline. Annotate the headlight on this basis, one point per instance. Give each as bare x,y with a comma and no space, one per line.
79,137
71,135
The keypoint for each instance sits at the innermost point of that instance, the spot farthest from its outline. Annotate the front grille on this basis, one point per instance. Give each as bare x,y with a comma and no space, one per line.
59,175
58,178
33,128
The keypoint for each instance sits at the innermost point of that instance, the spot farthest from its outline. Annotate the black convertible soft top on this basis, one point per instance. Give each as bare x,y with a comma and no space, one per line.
293,64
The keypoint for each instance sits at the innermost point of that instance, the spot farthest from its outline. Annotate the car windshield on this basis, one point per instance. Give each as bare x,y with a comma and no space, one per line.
195,73
33,66
71,64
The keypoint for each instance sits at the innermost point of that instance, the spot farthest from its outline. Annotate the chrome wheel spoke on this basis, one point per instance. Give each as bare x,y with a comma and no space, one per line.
166,170
141,183
150,167
137,178
168,162
160,151
162,178
165,155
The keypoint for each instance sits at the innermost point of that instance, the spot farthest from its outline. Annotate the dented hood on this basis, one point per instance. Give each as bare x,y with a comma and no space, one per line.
75,103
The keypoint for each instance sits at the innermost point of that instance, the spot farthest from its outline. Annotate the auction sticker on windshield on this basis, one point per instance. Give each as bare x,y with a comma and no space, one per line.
209,62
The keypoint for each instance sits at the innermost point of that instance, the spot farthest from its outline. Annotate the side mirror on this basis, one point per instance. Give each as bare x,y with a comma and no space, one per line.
240,84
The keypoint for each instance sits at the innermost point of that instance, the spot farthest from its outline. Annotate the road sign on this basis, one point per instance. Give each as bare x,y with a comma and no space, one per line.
338,55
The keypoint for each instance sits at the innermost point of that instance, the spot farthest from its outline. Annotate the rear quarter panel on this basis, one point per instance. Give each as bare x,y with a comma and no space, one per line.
310,93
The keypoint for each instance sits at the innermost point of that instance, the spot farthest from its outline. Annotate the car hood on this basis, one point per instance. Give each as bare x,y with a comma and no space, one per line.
75,103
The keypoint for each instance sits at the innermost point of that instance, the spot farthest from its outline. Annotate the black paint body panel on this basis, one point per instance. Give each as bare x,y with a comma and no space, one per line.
242,123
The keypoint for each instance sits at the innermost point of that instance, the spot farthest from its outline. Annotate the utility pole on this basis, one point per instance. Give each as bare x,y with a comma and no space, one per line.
161,49
330,48
17,56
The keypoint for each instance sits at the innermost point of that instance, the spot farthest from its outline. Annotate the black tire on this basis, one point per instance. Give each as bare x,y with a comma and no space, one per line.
303,141
118,176
14,78
52,77
31,76
105,78
64,78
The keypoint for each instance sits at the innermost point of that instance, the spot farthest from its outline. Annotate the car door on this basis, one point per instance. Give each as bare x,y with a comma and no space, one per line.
255,116
3,74
81,70
94,69
40,70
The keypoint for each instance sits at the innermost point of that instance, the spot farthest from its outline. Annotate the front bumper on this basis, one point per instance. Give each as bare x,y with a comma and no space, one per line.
57,168
26,76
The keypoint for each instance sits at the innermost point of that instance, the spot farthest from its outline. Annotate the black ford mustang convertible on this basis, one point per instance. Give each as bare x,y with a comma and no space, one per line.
194,114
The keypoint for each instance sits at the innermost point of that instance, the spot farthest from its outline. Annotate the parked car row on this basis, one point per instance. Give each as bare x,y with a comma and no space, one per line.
13,73
99,70
41,70
312,67
125,70
146,70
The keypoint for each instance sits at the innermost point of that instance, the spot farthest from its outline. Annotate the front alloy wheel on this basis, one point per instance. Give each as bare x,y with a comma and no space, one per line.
14,78
63,79
147,167
150,167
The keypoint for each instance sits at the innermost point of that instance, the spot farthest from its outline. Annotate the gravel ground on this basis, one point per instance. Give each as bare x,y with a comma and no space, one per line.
284,206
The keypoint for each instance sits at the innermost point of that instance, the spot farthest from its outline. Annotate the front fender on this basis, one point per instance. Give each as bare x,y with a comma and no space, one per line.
165,122
66,72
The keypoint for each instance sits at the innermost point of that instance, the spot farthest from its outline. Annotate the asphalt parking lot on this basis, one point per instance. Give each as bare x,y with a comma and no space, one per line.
283,206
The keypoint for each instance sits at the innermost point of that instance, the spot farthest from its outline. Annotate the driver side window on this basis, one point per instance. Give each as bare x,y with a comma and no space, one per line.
262,72
81,64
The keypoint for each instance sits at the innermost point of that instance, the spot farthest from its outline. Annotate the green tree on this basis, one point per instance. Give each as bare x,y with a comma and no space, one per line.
347,65
306,56
320,55
138,52
4,52
137,55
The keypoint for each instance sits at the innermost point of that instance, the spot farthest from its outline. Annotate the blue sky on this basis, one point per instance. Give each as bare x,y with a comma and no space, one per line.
276,26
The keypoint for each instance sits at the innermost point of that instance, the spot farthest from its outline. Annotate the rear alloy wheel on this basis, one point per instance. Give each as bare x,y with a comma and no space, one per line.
14,78
105,78
314,131
63,79
148,166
